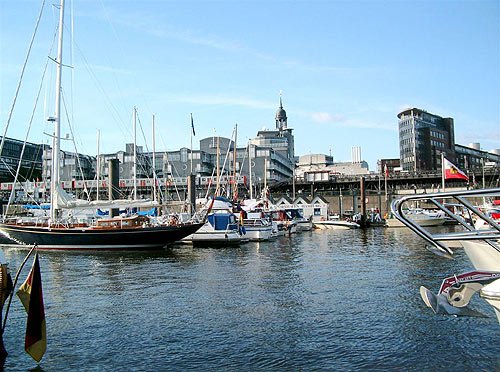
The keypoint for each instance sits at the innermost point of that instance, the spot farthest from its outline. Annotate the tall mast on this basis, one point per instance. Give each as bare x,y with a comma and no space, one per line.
235,187
135,153
154,160
191,149
265,176
57,119
250,169
98,163
217,166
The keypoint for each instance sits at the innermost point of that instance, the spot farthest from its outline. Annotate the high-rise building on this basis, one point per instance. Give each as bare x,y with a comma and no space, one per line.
422,138
356,154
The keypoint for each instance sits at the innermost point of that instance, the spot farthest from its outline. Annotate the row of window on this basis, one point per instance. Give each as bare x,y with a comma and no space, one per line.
437,134
437,144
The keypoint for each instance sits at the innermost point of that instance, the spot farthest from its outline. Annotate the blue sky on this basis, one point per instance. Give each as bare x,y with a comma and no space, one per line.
345,70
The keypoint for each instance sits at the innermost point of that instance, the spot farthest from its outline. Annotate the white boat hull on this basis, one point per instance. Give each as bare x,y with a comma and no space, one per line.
491,294
335,225
213,238
258,234
424,222
485,257
482,255
305,225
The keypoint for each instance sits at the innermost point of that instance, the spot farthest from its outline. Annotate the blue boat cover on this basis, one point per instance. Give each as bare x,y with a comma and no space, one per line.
221,221
36,206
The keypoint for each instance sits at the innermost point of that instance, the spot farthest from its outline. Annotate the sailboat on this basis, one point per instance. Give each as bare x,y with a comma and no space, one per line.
118,233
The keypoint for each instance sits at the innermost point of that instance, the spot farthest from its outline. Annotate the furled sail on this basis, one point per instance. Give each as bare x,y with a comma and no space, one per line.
63,200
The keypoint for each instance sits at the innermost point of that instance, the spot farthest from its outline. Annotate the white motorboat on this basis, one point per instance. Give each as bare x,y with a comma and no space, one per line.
296,215
304,224
419,216
278,229
257,229
221,227
335,224
480,241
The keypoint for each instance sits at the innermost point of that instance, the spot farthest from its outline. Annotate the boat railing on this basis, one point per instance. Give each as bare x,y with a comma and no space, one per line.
489,231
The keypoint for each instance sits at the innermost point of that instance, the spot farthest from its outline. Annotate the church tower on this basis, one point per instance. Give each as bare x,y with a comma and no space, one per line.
281,119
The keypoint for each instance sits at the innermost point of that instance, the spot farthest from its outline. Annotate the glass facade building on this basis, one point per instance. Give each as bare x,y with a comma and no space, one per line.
422,138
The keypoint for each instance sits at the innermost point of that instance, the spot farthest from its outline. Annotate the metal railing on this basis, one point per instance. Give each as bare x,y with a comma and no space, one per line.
458,201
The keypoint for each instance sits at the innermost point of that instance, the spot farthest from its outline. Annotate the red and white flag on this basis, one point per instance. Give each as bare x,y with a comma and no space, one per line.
451,172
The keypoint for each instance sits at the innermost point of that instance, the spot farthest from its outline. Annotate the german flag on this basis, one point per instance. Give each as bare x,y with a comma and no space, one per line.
30,294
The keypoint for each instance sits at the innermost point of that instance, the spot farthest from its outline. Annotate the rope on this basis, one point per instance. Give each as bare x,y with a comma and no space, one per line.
21,77
11,197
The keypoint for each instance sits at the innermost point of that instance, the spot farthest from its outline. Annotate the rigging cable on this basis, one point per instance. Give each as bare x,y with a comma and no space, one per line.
26,137
77,155
21,77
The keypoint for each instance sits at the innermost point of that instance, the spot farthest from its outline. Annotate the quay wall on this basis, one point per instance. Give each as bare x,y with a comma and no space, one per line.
350,203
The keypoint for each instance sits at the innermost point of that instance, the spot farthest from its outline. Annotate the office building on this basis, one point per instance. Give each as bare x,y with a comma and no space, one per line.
31,164
422,138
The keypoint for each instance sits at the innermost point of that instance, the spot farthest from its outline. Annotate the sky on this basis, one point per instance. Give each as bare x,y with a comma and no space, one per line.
344,70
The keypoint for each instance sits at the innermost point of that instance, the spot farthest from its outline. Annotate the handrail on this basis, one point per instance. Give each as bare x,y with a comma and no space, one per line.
488,234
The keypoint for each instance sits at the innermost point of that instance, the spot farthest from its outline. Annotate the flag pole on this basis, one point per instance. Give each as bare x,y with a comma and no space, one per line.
14,286
191,131
386,172
442,171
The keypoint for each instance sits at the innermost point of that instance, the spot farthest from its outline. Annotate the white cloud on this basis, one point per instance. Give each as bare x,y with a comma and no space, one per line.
147,23
221,100
344,121
325,117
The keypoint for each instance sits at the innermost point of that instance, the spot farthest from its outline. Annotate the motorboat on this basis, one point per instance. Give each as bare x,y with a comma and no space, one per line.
479,236
420,216
297,216
220,225
255,227
221,229
283,221
335,224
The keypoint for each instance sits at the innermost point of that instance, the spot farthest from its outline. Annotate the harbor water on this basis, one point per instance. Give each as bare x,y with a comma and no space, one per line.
321,300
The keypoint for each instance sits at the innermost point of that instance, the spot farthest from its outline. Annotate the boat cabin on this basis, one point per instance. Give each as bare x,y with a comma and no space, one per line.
133,222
